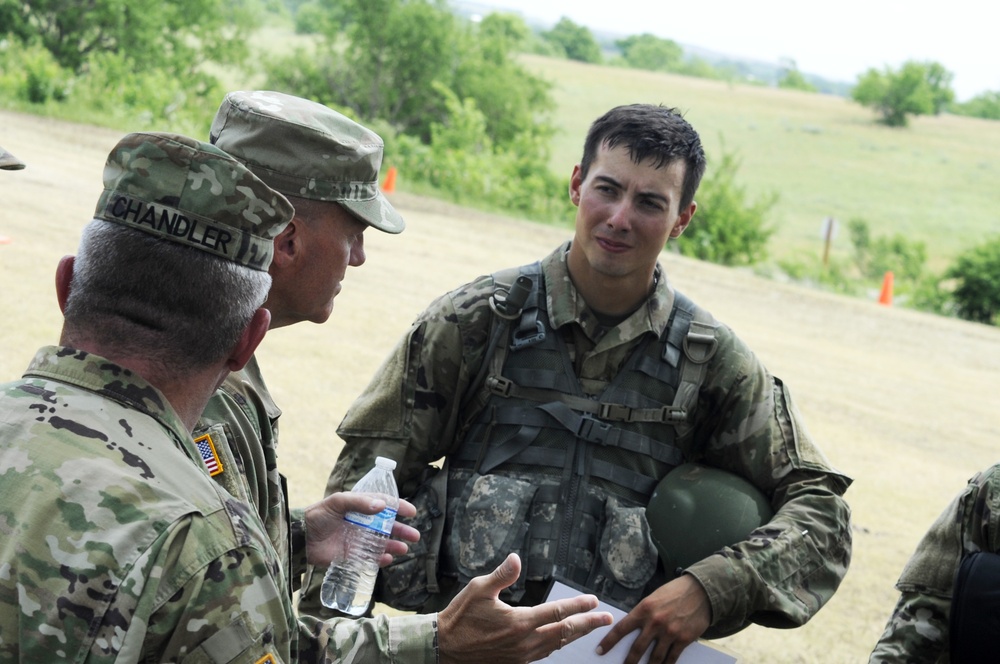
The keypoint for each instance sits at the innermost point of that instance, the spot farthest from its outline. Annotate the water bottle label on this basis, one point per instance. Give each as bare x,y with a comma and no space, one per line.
381,522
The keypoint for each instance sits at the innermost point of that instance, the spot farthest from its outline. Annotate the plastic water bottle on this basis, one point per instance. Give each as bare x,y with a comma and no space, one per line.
349,581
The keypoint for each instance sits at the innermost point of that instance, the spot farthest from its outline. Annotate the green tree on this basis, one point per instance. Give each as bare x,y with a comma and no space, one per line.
647,51
513,101
576,41
727,228
977,271
176,36
917,88
985,105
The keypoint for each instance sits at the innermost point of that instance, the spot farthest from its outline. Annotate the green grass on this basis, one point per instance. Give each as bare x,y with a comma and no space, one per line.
825,156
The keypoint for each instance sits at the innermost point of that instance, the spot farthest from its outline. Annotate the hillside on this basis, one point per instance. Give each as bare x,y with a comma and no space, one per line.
901,401
823,155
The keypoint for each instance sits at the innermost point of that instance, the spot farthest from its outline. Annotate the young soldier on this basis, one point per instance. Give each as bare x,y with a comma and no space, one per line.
559,394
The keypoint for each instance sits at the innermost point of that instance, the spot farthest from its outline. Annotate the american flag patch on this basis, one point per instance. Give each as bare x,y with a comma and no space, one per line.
206,448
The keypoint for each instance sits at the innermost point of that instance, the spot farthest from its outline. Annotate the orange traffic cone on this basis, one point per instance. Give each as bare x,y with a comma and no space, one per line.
885,297
389,185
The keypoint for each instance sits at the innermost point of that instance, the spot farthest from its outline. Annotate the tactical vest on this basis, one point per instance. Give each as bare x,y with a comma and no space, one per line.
561,477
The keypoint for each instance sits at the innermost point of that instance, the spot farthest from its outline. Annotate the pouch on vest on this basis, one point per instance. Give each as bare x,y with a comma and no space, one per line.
628,555
409,581
975,609
490,523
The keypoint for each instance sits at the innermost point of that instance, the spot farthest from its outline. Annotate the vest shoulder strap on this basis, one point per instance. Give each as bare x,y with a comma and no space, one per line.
694,328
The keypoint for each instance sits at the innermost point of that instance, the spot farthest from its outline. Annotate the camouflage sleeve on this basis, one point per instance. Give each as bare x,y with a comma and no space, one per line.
917,630
410,410
785,571
220,604
410,639
237,611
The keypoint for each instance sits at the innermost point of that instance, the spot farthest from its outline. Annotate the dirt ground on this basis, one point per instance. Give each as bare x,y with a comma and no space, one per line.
903,402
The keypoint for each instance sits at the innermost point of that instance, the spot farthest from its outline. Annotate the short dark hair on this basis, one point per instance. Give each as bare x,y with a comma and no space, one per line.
651,132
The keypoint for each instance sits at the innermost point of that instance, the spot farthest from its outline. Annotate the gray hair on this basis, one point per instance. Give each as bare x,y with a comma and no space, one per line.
170,303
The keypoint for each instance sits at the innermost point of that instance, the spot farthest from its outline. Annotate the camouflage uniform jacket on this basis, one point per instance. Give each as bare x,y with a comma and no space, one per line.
118,546
745,422
917,630
241,419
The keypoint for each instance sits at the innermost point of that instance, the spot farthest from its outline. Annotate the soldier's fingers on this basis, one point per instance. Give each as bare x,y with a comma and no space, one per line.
406,509
555,635
625,626
560,609
405,533
642,644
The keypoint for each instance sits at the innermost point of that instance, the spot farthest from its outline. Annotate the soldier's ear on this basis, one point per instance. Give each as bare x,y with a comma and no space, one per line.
252,335
64,278
288,244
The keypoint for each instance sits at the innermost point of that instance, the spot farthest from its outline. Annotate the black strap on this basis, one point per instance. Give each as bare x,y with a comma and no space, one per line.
975,609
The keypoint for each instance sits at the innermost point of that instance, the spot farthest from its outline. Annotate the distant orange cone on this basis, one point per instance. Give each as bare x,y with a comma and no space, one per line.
389,185
885,297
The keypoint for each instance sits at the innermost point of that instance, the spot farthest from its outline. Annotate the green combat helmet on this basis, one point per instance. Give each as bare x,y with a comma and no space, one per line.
697,510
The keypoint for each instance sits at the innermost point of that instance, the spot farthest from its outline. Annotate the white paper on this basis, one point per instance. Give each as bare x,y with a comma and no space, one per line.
583,650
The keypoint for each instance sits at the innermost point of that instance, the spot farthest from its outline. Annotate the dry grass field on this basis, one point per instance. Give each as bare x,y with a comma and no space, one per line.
904,402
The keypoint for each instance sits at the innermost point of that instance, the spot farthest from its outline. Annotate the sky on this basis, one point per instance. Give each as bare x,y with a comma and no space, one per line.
838,41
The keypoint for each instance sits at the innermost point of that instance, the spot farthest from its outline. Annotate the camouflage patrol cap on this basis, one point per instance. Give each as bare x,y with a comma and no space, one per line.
9,162
193,193
305,149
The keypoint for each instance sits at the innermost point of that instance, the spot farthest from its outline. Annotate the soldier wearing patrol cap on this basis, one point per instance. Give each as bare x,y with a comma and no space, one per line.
327,165
116,543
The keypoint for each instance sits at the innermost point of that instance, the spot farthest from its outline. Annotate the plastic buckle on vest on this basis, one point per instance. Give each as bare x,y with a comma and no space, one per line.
595,431
499,385
673,414
615,411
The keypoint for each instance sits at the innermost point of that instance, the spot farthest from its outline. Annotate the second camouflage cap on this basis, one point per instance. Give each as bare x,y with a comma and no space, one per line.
193,193
305,149
9,162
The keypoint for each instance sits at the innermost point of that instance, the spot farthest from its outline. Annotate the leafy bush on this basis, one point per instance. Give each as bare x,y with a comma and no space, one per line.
977,273
727,228
985,105
31,74
896,253
468,167
111,93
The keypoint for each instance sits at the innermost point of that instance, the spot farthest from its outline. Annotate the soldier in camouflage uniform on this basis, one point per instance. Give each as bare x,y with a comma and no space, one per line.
554,441
327,165
116,544
919,629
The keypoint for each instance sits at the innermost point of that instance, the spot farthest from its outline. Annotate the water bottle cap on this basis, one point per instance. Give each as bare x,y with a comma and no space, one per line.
385,462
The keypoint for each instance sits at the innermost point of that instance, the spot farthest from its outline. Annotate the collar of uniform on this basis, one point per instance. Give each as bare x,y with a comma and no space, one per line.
102,376
566,305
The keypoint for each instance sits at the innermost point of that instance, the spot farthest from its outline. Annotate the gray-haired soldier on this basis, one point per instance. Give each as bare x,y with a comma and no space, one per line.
116,544
327,165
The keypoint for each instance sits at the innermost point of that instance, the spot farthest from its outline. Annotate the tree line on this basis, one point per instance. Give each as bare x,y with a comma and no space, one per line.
458,112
